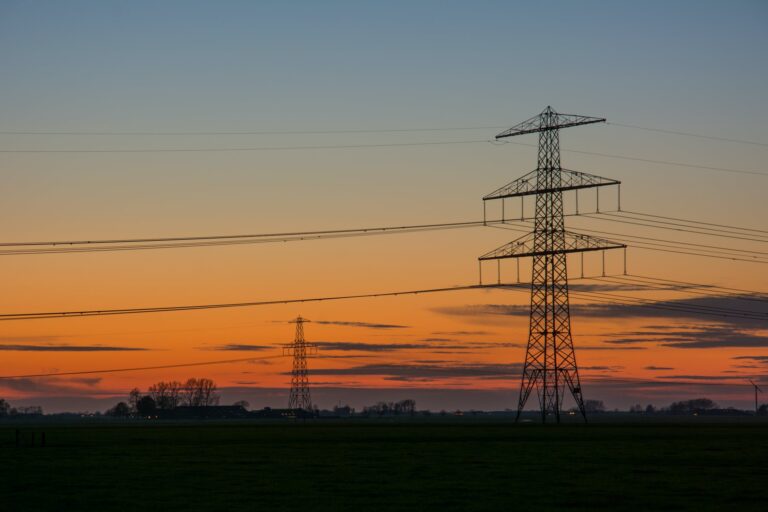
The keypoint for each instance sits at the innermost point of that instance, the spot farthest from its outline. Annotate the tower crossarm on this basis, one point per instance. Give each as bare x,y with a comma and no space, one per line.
310,349
548,120
524,246
570,180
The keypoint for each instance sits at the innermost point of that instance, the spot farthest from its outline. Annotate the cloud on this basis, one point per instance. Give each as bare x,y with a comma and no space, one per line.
80,385
242,347
658,368
462,333
604,347
704,377
68,348
364,325
370,347
756,359
609,369
696,308
707,336
429,371
433,345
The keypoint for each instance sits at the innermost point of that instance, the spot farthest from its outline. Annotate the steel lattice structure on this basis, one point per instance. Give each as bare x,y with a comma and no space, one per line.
299,398
550,361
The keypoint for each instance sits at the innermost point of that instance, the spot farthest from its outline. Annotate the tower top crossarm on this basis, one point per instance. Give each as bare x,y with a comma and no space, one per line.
548,120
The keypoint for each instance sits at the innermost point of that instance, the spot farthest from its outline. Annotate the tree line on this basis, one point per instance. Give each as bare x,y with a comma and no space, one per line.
167,395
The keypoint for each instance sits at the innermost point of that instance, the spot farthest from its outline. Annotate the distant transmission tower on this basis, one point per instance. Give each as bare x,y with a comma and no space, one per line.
299,398
550,360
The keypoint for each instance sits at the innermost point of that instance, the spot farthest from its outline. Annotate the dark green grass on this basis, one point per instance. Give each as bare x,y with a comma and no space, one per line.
381,466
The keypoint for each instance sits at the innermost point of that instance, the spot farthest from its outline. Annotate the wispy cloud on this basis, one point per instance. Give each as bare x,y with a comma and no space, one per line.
461,333
79,385
658,368
68,348
756,359
364,325
242,347
706,336
428,371
656,309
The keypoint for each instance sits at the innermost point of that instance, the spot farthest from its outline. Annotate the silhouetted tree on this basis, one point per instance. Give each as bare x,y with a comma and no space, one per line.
166,395
242,403
5,408
594,406
133,399
31,410
650,409
120,410
763,410
146,406
692,406
407,406
199,392
636,409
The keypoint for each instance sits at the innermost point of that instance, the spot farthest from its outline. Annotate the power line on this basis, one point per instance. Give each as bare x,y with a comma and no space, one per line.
677,307
699,285
251,132
167,309
108,245
244,149
653,246
345,131
137,369
689,221
682,230
701,289
374,145
687,134
116,244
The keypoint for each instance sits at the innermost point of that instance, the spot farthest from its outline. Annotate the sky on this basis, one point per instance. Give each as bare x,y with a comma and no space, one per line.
127,73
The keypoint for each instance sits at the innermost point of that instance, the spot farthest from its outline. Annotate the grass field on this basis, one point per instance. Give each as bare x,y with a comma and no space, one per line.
378,465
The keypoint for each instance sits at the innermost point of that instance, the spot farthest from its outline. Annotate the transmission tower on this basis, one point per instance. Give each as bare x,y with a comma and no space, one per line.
299,398
550,360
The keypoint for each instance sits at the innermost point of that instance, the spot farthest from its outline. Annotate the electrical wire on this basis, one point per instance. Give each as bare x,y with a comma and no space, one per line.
678,307
141,368
85,246
166,309
154,133
653,246
687,134
375,145
700,285
690,221
245,149
660,224
700,290
254,132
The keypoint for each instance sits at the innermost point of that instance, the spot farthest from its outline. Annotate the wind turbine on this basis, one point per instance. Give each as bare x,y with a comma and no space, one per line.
757,388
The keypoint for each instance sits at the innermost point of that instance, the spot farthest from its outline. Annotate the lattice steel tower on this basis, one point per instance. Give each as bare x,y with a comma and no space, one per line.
550,360
299,397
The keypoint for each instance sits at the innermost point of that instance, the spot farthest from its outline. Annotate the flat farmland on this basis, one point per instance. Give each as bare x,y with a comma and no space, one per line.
380,465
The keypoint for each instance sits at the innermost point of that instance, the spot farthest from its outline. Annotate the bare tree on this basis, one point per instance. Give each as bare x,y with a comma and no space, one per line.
166,395
121,410
133,399
594,406
200,392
